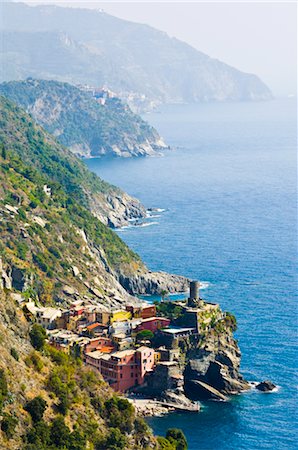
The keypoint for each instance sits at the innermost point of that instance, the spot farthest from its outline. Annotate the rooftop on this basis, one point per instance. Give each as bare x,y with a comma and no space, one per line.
95,355
154,318
175,330
123,353
93,326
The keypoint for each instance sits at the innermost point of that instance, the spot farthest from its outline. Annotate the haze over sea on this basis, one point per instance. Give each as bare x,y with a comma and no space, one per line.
229,190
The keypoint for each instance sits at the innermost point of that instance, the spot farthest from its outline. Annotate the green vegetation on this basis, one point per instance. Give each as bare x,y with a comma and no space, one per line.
37,336
57,435
14,353
174,440
144,335
3,388
119,413
82,123
168,309
177,439
8,424
231,321
36,408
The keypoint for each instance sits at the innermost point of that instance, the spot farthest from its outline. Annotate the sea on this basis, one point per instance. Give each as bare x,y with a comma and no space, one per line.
226,215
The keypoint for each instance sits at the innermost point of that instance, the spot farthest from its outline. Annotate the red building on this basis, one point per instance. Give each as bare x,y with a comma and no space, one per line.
153,324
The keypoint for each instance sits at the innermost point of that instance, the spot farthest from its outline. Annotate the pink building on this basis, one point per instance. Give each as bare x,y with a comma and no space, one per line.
124,369
153,324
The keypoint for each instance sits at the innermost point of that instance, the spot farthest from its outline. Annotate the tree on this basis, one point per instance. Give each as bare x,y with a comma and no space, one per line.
37,336
177,438
115,440
3,388
36,408
8,425
163,294
60,433
39,434
3,152
14,353
144,335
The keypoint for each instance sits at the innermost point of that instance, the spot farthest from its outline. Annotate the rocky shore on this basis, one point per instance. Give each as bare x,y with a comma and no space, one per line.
147,407
151,283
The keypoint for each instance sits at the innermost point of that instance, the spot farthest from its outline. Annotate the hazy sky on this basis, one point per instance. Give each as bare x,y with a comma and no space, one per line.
256,37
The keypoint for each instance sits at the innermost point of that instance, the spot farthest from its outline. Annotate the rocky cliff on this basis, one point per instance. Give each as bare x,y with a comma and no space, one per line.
90,123
213,368
54,212
39,149
202,364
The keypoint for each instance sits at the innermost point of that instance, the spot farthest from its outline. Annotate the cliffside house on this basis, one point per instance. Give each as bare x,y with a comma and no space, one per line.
154,324
123,369
46,317
67,341
142,312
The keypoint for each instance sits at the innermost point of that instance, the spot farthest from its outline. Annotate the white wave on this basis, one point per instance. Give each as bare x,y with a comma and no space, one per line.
141,225
145,224
204,284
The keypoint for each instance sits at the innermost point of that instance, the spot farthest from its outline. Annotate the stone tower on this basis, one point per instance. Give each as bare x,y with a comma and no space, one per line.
194,296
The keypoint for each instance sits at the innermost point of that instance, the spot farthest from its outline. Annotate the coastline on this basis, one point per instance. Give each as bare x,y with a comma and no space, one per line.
147,407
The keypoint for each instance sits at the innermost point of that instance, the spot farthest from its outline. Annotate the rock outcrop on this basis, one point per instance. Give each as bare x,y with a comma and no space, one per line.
166,384
266,386
116,209
213,370
150,283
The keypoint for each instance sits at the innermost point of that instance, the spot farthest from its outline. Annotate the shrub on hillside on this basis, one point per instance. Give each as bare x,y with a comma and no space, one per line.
36,408
37,336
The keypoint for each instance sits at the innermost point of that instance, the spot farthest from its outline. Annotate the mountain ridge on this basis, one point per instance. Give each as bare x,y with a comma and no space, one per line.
132,59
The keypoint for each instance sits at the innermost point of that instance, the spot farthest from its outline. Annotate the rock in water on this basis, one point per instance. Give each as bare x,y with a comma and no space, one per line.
266,386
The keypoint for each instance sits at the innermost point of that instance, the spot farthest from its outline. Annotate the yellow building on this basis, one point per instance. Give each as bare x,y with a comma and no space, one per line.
120,316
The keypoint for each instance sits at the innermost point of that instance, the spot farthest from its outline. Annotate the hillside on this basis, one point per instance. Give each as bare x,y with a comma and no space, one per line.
112,206
53,250
134,60
47,191
80,122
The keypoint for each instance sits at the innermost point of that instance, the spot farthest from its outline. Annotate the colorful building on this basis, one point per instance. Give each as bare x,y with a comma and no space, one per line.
123,369
153,324
142,312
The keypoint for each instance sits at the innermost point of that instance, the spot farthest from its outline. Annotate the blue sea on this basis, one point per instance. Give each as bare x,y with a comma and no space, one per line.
228,188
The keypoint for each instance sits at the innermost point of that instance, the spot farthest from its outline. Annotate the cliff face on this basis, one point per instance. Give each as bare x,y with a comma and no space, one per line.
213,368
78,120
36,147
145,66
146,282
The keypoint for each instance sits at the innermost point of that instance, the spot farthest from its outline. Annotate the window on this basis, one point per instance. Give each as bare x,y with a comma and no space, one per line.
131,375
120,375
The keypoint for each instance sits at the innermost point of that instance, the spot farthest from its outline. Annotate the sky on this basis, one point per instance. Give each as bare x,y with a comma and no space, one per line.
256,37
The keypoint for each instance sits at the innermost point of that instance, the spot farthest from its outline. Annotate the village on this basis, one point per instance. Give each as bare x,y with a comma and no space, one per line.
133,348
